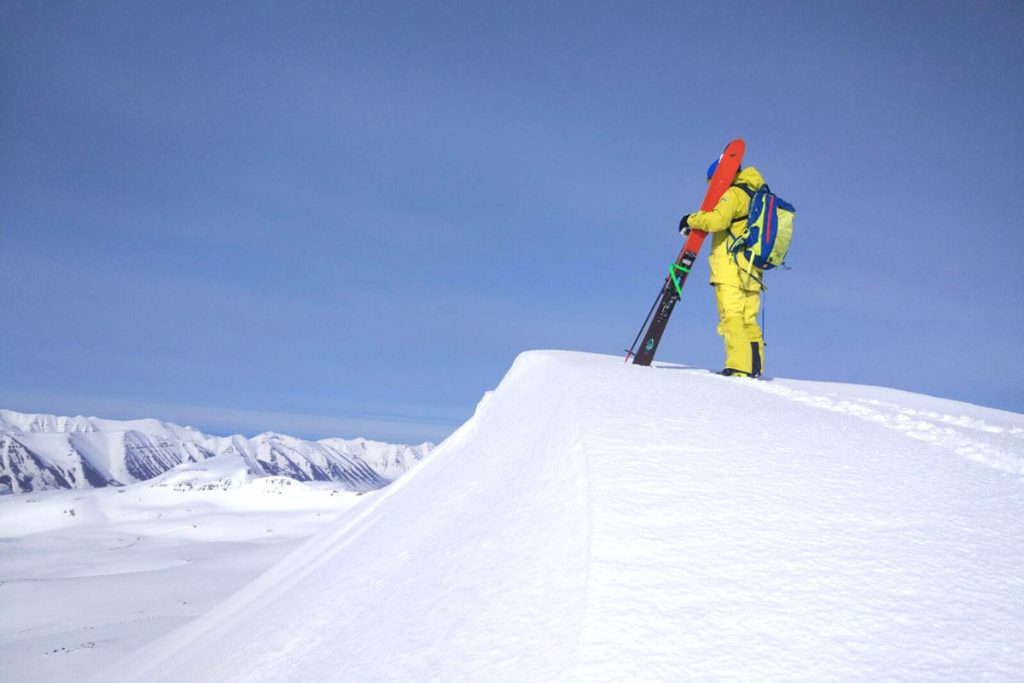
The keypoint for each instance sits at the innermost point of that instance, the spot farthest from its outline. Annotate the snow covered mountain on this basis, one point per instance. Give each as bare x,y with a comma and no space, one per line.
47,451
598,521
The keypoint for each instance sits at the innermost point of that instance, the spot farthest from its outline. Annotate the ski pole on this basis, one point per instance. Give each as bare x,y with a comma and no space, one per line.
764,307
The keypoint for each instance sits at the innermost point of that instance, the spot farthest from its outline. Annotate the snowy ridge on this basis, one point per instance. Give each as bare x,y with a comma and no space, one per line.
601,521
40,452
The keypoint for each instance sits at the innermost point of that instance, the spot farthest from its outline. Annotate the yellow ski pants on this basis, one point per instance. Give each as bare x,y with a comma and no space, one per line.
737,323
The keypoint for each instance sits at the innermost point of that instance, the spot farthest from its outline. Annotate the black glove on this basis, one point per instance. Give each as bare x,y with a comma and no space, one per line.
684,229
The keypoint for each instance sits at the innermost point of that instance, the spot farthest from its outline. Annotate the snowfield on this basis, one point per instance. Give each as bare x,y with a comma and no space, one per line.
597,521
86,576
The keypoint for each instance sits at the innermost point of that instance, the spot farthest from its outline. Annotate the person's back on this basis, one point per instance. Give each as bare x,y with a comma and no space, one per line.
737,287
734,205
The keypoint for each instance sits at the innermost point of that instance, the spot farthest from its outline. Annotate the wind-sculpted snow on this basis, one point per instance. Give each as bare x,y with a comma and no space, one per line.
1000,447
598,521
39,452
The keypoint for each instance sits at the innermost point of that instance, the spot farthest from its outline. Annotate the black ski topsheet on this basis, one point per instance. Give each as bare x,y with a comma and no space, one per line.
728,165
663,310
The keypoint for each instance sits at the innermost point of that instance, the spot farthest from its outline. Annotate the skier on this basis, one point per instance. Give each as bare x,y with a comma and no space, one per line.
737,290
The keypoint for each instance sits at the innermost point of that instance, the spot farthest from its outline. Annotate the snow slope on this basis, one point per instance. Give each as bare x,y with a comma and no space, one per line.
600,521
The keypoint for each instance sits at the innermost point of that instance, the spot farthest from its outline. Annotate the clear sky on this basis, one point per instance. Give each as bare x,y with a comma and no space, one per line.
342,219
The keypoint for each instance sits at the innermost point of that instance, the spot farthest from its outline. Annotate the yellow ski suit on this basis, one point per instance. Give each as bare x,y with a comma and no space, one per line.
738,294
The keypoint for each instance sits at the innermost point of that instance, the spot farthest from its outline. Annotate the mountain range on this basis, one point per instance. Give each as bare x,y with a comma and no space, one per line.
39,451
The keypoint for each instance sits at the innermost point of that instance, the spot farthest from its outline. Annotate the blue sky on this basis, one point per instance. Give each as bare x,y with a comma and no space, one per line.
341,219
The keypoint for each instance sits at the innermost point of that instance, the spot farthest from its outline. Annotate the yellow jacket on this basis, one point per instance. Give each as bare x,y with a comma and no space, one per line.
728,220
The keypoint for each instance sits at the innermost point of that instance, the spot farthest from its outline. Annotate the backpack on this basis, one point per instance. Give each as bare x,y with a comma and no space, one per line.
765,240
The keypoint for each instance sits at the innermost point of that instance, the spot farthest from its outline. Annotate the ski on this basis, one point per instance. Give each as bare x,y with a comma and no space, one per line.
679,271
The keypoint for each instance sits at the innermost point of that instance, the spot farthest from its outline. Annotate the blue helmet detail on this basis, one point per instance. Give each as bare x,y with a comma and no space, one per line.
711,168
